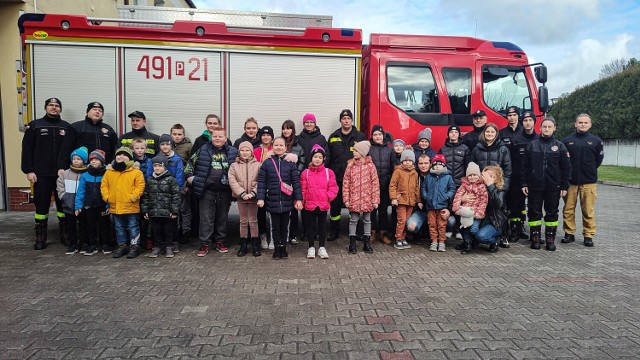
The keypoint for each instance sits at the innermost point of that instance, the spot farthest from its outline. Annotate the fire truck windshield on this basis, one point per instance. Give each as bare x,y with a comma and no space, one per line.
502,89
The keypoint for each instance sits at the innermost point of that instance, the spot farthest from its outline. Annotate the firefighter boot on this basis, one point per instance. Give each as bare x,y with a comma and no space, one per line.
243,247
550,238
367,245
514,228
534,234
521,232
335,230
352,245
41,236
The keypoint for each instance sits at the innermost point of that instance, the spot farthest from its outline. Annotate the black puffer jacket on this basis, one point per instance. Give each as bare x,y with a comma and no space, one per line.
457,155
153,140
341,150
547,165
269,184
161,197
308,139
92,136
384,159
199,165
496,211
41,145
494,154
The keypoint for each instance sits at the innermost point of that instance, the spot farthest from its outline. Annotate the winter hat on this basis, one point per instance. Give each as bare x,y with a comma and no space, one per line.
362,147
346,112
245,144
52,100
160,159
466,216
82,152
439,159
453,127
377,128
399,141
513,110
473,168
267,130
93,105
408,155
308,117
165,139
126,151
317,149
98,154
529,114
425,134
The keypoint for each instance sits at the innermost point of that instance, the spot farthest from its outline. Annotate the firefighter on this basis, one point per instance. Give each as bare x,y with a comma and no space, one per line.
545,179
471,139
40,149
586,156
139,129
340,146
515,198
513,128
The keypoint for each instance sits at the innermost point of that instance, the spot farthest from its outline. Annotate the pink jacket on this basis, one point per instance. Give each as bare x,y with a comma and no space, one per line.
479,190
317,190
360,186
260,150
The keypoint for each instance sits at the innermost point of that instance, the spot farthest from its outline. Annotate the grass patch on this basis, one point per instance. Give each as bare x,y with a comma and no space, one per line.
622,174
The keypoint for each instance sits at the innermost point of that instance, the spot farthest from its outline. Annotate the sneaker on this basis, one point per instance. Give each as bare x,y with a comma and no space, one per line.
322,252
133,252
84,248
204,250
155,252
122,251
90,251
106,250
271,246
175,249
71,250
398,245
442,247
504,243
433,247
293,241
448,234
405,244
169,252
311,253
263,241
220,247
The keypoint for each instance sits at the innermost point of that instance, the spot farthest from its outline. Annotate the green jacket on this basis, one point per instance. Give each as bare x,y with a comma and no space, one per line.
161,196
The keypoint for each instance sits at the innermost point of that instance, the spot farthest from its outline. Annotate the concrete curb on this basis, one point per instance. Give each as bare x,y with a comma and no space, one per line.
615,183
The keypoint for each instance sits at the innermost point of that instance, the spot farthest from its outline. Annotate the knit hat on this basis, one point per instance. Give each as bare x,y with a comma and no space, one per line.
362,147
473,168
453,127
439,159
165,139
308,117
98,154
466,216
399,141
52,100
408,155
317,149
529,114
267,130
245,144
126,151
346,112
425,134
377,128
93,105
82,152
160,159
513,110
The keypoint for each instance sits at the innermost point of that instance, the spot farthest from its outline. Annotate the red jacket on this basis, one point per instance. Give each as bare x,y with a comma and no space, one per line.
360,186
319,187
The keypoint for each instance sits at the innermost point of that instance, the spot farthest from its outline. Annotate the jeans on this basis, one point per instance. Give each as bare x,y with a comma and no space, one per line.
416,221
487,234
127,228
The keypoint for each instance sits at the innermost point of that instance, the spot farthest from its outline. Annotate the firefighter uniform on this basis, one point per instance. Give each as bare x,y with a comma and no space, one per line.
152,140
546,172
41,145
515,198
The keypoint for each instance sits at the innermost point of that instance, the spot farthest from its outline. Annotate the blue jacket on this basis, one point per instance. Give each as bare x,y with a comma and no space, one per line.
145,166
175,168
88,194
199,165
437,191
269,185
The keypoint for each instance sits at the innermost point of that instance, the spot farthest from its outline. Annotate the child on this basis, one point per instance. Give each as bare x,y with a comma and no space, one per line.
67,187
383,158
139,147
263,152
295,153
423,146
161,205
472,193
182,147
360,193
417,222
398,148
243,179
437,192
319,188
182,144
278,188
122,187
174,161
404,194
89,202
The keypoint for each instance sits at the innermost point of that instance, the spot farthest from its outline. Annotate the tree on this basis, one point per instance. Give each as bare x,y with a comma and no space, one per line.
614,67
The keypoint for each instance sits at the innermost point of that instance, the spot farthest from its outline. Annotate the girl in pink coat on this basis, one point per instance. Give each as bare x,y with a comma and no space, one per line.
360,193
319,188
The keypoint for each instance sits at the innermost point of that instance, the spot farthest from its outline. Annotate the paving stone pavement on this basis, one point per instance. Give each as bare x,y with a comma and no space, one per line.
576,302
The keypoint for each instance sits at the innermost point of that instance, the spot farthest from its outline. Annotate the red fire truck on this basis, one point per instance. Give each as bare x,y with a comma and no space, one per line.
181,71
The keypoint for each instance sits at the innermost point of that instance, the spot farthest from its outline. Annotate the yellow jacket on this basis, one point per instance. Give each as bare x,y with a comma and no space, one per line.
122,190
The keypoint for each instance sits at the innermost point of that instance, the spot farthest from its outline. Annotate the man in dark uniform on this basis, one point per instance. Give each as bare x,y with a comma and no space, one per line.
40,149
139,129
340,152
471,139
512,129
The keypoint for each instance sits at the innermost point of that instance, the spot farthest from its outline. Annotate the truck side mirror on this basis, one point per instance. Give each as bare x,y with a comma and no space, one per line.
541,73
543,98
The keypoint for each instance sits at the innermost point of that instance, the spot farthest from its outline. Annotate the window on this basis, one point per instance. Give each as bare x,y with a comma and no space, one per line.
412,89
458,83
505,86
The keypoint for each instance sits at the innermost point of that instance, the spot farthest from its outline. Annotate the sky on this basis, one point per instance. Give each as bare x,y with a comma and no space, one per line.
574,38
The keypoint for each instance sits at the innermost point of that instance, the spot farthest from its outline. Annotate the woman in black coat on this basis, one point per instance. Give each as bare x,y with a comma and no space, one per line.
492,151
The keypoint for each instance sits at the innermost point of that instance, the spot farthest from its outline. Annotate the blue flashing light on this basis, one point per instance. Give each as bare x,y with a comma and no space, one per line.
347,32
506,45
